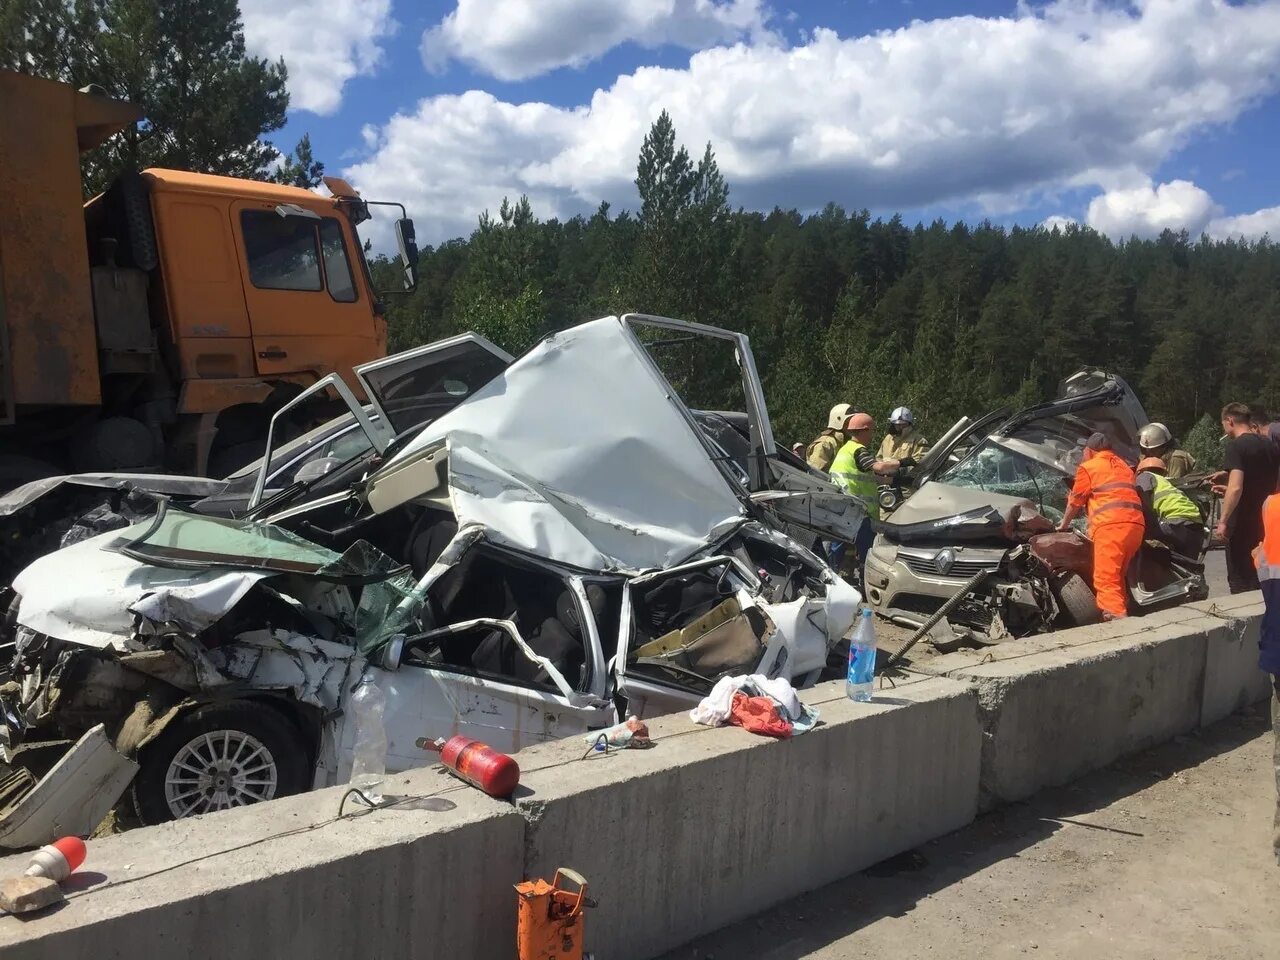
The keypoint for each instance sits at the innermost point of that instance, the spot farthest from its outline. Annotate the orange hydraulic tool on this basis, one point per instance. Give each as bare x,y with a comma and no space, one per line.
549,919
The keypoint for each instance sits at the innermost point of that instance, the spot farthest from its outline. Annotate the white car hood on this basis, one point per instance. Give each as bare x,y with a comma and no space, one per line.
85,594
578,453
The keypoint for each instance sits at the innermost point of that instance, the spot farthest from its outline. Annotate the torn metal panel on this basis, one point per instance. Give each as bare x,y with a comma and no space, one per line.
73,797
99,612
193,487
622,480
316,672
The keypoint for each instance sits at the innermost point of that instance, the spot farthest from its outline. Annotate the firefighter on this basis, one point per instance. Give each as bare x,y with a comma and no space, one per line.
1171,514
1155,440
902,442
822,451
1105,484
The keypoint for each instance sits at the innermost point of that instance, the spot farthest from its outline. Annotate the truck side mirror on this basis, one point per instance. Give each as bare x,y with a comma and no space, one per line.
407,241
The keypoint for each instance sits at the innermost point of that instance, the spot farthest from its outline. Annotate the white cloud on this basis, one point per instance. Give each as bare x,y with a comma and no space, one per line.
1058,222
944,111
1248,226
1146,210
517,39
323,44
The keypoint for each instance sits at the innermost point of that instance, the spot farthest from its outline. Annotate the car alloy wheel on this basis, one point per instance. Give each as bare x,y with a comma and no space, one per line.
217,771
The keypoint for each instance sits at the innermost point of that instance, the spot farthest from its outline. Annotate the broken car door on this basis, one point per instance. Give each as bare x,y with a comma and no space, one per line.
684,628
513,660
418,386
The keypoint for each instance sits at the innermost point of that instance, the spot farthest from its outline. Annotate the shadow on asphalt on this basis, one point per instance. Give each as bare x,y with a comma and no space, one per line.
893,887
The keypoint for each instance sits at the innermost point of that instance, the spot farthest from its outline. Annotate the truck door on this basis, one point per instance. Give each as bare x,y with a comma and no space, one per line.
306,310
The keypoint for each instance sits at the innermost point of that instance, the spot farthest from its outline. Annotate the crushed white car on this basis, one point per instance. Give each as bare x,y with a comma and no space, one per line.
565,546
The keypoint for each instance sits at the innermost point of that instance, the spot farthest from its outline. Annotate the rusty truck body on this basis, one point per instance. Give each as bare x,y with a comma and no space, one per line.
162,323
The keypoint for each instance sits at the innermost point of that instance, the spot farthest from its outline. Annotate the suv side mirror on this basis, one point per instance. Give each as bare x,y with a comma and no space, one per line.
408,244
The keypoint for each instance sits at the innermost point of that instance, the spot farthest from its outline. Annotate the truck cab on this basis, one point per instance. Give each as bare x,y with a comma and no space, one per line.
162,323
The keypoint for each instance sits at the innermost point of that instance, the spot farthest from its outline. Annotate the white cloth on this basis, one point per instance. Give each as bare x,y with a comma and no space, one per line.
713,710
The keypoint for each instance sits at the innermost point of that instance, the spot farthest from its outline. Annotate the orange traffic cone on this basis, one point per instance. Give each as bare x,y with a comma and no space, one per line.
549,919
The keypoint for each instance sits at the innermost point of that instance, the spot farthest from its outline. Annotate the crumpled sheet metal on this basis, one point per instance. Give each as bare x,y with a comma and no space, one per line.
316,672
27,494
576,453
88,595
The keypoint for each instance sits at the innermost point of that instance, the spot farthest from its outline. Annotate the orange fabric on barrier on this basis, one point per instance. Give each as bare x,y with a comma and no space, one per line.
1114,546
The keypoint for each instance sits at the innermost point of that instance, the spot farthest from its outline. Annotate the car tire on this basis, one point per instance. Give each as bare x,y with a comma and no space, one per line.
1076,600
220,756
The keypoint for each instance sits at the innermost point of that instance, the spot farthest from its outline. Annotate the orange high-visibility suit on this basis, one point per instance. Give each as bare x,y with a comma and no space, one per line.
1105,484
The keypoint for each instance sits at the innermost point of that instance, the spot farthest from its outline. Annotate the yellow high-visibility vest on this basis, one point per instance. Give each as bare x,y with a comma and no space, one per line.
854,481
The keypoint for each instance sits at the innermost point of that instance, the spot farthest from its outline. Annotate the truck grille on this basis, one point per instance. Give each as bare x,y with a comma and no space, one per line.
961,568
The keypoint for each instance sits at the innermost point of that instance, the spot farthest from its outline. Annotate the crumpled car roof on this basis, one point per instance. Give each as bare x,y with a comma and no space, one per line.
580,453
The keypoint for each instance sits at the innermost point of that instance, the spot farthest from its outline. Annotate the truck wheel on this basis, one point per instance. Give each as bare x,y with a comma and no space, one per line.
132,208
219,756
1077,601
114,444
15,470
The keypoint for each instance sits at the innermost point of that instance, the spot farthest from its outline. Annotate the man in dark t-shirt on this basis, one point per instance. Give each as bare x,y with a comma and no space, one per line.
1252,464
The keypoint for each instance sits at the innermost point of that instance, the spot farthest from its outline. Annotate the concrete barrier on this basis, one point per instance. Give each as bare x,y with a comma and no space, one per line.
712,826
1232,679
708,827
284,880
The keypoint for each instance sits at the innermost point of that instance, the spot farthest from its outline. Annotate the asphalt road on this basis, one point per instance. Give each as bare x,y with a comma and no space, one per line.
1166,854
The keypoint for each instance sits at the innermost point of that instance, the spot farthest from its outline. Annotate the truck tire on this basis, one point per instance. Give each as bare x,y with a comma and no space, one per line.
130,209
15,470
219,756
114,444
1076,600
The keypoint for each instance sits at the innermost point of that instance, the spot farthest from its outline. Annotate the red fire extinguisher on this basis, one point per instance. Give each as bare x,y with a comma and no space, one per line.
477,764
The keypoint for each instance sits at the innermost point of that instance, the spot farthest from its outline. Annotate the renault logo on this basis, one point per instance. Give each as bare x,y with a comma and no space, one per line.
945,560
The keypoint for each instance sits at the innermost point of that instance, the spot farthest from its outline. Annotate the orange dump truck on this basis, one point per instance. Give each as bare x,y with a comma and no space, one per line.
159,325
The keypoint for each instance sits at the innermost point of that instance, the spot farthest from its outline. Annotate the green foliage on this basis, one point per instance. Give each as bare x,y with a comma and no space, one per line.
950,320
207,103
1204,442
300,168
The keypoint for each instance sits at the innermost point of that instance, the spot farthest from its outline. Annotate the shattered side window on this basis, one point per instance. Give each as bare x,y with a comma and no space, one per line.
703,370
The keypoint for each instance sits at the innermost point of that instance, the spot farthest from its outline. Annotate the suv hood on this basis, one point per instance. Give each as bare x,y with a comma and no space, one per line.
936,501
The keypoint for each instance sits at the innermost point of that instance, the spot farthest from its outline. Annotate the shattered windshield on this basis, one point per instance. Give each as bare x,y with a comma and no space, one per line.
996,468
175,538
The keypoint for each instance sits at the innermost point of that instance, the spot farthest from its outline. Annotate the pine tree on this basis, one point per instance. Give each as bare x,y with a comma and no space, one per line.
207,102
300,168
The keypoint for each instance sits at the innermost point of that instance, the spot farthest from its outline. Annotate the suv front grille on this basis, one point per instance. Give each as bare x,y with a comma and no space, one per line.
961,568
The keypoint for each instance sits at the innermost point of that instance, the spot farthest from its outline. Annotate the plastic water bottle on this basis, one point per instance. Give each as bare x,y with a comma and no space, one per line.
369,764
862,658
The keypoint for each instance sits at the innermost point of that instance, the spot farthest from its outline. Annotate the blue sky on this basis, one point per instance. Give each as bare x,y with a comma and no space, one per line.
1128,117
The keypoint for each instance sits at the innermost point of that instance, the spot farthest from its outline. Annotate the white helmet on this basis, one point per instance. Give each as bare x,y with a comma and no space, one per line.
839,414
901,415
1154,436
